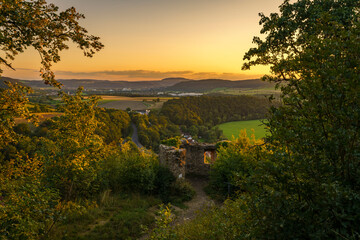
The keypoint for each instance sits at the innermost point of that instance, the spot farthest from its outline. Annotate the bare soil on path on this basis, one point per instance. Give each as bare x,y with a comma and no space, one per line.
195,205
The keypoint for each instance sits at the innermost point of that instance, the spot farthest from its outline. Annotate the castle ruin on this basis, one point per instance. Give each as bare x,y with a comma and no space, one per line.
189,159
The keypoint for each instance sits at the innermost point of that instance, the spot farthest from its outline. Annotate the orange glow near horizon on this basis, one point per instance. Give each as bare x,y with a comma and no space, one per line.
151,40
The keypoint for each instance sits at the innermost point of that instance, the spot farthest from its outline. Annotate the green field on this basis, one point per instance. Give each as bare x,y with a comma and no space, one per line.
233,128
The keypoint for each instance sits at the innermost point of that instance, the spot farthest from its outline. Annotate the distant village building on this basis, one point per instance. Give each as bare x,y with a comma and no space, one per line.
143,112
185,94
187,138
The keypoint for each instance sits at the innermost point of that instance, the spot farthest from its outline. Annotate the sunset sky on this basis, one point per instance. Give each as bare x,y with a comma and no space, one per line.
154,39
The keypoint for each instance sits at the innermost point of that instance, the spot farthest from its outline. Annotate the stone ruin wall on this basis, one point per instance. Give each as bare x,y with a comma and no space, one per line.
189,159
174,159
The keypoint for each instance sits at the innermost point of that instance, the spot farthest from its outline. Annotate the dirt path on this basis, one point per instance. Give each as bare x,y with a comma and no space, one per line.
195,205
199,201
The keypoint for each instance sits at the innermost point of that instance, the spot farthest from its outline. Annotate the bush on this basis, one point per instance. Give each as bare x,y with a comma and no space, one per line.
23,129
164,181
129,170
175,142
235,159
183,190
170,189
27,208
163,229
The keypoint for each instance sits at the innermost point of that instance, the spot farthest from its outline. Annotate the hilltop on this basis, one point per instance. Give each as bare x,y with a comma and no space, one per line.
3,79
166,84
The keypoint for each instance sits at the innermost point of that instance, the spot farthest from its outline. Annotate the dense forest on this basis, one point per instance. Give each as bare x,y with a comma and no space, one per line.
114,125
197,116
213,110
153,128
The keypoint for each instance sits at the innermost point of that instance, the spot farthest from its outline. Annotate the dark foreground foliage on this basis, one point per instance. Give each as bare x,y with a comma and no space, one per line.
303,183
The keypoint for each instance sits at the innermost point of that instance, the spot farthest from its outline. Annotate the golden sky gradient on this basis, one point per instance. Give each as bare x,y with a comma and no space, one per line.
154,39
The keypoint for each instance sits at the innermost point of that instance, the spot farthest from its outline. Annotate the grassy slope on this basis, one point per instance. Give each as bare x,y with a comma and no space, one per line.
116,217
233,128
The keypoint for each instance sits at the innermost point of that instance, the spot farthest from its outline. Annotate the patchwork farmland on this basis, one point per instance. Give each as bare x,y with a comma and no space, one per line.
134,103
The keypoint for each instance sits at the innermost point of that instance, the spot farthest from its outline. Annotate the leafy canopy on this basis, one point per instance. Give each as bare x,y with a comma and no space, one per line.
37,24
313,50
28,203
12,104
312,47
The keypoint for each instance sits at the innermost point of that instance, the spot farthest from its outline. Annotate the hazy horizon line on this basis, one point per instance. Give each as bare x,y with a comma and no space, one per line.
149,80
131,75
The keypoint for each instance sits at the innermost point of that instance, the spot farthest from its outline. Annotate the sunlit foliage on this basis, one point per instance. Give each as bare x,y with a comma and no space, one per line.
40,25
27,208
28,204
72,150
12,104
154,128
236,159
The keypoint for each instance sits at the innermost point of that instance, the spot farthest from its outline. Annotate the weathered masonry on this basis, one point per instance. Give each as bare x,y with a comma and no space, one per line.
190,159
174,159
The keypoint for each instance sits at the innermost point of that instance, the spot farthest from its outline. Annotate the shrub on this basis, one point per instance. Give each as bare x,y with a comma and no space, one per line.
235,159
183,190
164,181
174,141
27,208
163,229
129,170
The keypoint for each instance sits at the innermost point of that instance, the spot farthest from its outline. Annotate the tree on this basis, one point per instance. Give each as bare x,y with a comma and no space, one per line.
72,153
12,104
35,23
28,207
38,24
313,50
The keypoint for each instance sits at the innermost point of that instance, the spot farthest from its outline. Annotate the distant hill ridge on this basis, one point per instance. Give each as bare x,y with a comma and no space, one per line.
166,84
107,84
7,79
210,84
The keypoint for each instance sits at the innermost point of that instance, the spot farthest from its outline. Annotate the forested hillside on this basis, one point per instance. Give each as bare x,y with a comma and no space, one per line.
154,128
206,110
